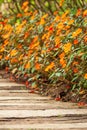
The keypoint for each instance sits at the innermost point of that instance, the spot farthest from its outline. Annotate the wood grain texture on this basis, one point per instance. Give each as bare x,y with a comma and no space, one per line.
22,110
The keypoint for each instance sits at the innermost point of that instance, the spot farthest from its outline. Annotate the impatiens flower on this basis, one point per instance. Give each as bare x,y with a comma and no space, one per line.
49,66
67,47
63,62
57,98
0,57
13,52
85,76
25,4
85,13
77,32
81,104
76,41
42,21
37,66
27,65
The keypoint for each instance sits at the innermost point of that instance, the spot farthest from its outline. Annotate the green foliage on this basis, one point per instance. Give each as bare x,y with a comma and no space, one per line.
47,48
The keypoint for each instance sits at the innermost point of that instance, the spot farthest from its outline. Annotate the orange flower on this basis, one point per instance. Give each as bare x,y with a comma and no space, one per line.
67,47
63,63
75,63
26,9
76,41
45,16
14,60
85,38
2,49
13,52
75,70
34,45
7,35
60,25
85,76
37,66
78,12
26,35
57,18
81,104
57,41
19,15
0,57
25,4
19,46
27,66
71,22
6,42
7,57
85,13
6,69
62,55
49,66
42,21
77,32
7,27
61,2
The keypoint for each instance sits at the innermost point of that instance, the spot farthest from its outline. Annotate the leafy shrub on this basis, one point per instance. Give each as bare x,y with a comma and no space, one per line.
46,49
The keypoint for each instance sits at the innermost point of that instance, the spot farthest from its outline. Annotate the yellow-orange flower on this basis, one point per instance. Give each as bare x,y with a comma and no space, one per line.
57,18
2,49
76,41
14,60
78,12
27,66
77,32
57,40
7,57
85,13
62,55
26,9
7,27
0,57
7,35
25,4
37,66
85,76
19,15
67,47
42,21
71,22
61,2
6,42
13,52
63,62
49,66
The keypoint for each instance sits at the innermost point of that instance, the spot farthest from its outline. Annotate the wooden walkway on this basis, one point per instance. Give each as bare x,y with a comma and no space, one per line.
22,110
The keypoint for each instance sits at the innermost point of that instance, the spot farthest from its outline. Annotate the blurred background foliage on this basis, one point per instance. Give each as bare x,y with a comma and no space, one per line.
47,6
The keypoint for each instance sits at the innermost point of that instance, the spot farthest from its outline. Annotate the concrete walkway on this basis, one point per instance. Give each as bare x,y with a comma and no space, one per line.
22,110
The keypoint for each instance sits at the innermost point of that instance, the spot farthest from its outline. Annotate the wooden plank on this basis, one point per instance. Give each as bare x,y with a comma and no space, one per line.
33,107
41,113
14,91
4,84
28,104
45,126
26,98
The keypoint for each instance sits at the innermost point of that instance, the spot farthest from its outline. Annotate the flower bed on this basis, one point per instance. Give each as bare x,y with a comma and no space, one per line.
49,52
